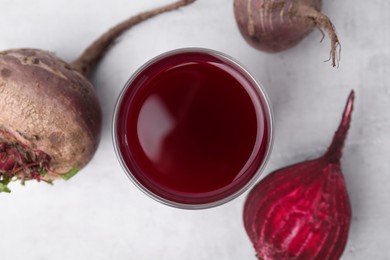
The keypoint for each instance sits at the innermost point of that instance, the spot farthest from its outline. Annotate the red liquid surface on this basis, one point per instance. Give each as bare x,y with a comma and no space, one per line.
192,128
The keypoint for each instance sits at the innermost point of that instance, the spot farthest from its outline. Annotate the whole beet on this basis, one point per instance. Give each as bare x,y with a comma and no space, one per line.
51,118
277,25
47,106
303,211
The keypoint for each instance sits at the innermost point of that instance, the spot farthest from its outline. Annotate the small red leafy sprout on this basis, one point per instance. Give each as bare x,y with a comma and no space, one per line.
18,162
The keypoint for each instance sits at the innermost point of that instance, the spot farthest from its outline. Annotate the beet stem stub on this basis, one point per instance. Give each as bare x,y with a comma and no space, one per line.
334,152
92,55
323,23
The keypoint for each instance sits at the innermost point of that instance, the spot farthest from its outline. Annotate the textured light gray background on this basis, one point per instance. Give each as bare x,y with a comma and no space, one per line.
100,215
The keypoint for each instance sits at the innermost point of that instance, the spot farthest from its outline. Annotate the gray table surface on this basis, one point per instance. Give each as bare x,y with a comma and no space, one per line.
100,214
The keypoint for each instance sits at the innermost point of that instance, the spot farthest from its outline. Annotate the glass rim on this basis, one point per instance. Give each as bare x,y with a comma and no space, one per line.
267,113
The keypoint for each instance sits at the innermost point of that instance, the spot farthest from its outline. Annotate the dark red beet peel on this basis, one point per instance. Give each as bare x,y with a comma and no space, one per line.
277,25
302,211
51,117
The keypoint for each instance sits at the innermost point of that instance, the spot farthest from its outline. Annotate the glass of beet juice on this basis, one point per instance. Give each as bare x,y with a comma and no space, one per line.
192,128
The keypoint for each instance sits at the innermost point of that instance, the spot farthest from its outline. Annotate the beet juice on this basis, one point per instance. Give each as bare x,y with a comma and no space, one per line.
192,128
